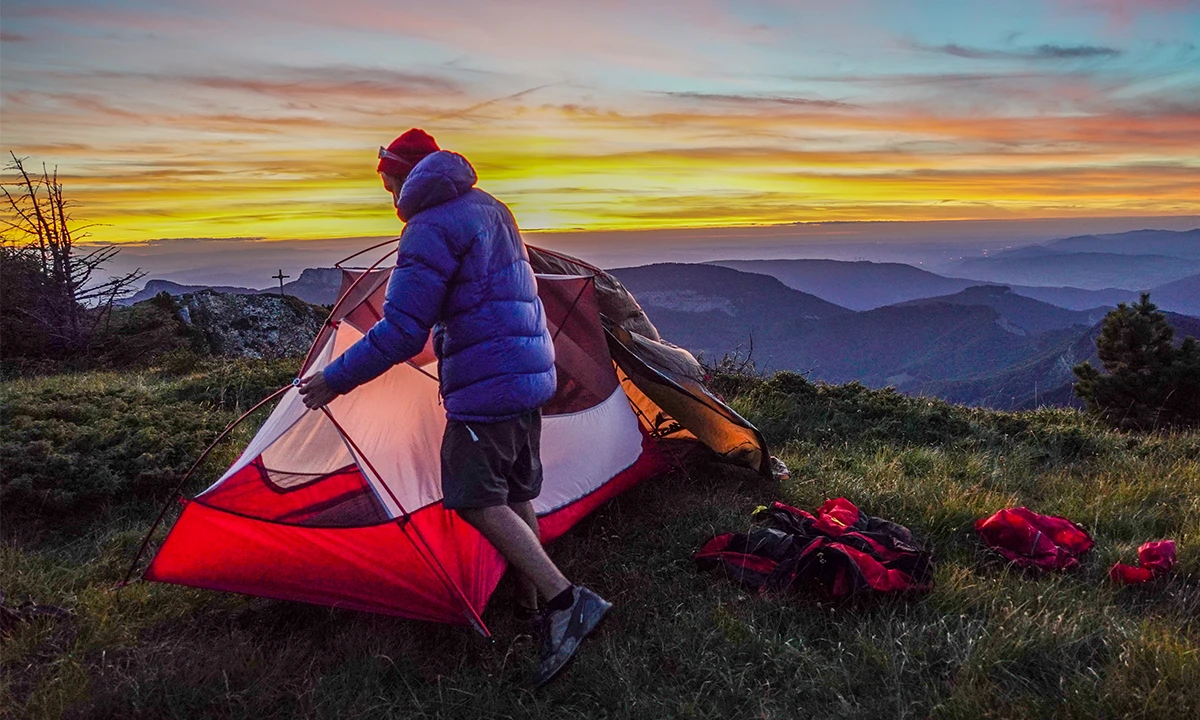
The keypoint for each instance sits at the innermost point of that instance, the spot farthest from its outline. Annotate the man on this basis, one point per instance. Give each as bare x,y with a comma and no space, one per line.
463,271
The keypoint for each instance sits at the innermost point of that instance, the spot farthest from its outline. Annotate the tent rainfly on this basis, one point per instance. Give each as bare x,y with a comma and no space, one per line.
343,507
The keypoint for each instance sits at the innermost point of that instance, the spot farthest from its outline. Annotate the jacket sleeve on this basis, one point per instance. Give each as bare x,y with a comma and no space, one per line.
425,265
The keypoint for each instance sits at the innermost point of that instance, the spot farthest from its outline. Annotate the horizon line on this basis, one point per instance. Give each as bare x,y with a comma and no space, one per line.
683,228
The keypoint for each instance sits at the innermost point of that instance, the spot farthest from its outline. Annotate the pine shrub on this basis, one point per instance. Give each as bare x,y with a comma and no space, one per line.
1148,383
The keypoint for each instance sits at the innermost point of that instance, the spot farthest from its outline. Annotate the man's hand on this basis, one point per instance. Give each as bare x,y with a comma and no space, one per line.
315,392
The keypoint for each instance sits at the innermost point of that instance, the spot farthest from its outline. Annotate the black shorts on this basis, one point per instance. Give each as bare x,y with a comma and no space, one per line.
489,464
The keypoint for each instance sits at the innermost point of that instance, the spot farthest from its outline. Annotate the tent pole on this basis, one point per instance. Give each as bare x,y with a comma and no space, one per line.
338,304
338,264
571,310
162,513
436,564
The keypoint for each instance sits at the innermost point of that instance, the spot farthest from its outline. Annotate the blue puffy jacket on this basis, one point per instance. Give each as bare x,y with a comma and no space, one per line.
463,266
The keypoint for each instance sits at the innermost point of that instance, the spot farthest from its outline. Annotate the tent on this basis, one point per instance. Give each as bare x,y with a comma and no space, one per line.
343,507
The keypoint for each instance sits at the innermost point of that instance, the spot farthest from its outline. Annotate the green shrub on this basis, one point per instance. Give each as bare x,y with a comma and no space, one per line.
789,407
71,443
1149,383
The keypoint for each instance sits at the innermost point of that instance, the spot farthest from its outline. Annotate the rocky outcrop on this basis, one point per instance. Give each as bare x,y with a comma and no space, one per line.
315,285
154,287
319,286
250,326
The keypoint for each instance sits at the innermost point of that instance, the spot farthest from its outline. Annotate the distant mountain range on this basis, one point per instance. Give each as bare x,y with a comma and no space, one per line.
864,285
972,342
984,345
715,310
1137,260
319,286
858,285
1090,271
1185,244
1026,314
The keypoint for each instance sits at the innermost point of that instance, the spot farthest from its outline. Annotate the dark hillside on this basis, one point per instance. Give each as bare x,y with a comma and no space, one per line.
901,345
855,285
1181,296
1045,379
1076,298
1030,315
700,288
715,310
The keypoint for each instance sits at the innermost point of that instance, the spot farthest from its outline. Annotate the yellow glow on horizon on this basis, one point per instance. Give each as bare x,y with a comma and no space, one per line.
560,170
231,119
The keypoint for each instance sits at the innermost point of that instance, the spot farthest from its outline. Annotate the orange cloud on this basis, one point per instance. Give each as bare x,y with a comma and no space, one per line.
586,119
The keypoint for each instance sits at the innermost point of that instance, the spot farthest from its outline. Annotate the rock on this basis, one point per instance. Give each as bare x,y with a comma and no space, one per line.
319,286
252,326
315,285
156,286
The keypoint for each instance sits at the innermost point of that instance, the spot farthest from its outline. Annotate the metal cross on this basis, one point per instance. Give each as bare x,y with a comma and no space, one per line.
280,278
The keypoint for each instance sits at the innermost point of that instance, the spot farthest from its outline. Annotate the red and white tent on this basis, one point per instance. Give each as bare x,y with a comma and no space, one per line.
343,507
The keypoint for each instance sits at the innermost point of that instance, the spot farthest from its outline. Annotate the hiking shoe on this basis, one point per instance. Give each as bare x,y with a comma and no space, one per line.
565,629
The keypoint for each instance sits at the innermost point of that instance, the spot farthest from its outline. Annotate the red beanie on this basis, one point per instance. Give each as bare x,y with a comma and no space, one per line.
405,152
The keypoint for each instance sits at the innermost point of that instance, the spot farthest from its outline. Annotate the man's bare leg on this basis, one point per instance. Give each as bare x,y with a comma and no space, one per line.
516,541
527,594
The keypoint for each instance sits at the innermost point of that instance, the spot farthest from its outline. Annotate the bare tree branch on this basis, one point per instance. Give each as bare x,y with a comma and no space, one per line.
69,302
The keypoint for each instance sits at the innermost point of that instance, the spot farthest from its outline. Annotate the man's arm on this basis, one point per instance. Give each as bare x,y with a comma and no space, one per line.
414,299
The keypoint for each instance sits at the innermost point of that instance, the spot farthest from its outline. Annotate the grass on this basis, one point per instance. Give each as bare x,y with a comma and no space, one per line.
988,641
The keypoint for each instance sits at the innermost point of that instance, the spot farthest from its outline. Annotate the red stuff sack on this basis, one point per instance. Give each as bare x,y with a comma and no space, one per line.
1030,540
1155,558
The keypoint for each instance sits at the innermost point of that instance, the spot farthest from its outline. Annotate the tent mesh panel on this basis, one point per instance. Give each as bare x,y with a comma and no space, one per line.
341,498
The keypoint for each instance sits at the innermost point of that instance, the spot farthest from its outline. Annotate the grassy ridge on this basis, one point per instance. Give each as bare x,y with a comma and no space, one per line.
987,641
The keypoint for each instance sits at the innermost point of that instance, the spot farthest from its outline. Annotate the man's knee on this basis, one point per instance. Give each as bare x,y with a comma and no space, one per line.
472,515
481,516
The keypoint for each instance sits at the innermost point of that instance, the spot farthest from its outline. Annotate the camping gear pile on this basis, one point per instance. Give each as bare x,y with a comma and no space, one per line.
343,507
837,551
840,552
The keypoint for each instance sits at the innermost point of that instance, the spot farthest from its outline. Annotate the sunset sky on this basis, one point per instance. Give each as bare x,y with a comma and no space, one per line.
262,118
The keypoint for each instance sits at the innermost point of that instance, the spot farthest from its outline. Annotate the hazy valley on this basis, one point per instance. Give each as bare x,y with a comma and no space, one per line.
971,340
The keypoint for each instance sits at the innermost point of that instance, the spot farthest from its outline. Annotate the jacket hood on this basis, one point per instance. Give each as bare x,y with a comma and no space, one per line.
440,177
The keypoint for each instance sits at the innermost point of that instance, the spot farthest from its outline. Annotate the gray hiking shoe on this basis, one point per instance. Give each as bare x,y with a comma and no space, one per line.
565,629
